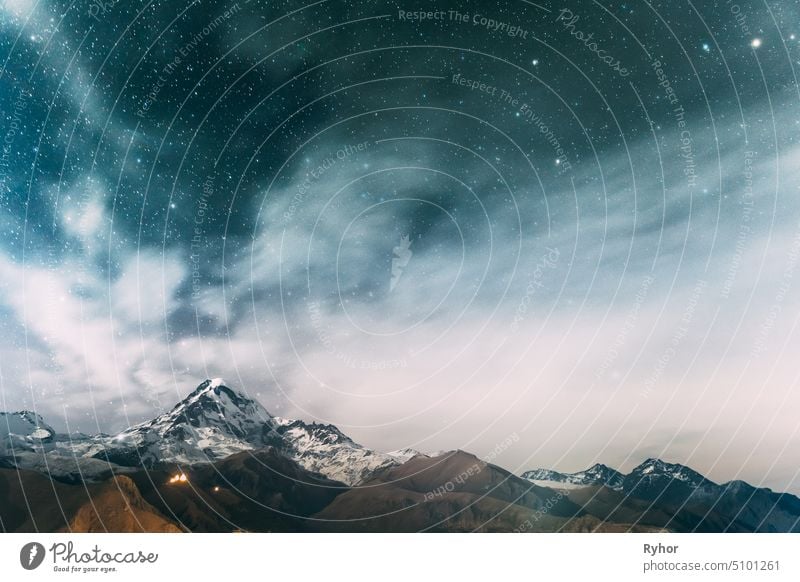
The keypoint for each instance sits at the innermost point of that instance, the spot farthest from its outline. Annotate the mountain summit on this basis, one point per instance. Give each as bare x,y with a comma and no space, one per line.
654,477
216,421
210,424
693,502
597,474
213,422
23,431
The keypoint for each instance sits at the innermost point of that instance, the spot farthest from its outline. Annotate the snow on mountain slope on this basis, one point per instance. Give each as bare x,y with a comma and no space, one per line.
211,423
657,469
656,479
403,455
556,484
25,424
652,479
28,442
23,431
215,421
324,449
595,475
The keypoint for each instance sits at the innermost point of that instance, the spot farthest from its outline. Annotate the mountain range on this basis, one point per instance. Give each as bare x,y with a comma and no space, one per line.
219,461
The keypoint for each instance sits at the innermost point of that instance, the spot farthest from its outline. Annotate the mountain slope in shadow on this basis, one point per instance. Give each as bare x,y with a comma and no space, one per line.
454,492
677,498
252,490
32,502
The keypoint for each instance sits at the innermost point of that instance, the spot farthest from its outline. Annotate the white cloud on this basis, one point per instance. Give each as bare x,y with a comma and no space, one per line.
19,8
96,341
145,292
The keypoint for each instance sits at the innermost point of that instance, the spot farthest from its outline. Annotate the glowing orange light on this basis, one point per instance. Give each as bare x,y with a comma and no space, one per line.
179,478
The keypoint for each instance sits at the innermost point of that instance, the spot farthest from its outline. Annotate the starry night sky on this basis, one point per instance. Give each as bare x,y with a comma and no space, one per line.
434,224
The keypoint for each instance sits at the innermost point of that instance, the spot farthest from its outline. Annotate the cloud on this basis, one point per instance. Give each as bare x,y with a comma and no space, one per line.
83,212
146,291
19,8
96,335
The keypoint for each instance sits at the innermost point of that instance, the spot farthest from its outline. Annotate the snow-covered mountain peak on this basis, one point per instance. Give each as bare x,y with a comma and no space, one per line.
213,390
213,422
658,469
598,470
325,449
647,480
211,404
597,474
23,430
403,455
652,465
320,433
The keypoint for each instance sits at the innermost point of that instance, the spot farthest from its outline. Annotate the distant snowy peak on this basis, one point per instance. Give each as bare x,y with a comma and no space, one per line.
324,449
651,475
595,475
322,434
24,428
544,475
599,473
658,469
403,455
212,404
656,479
